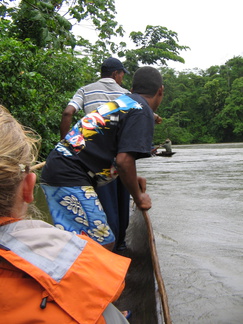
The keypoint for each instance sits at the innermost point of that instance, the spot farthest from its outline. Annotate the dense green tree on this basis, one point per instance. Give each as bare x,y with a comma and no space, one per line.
196,101
36,84
231,117
156,46
232,70
47,22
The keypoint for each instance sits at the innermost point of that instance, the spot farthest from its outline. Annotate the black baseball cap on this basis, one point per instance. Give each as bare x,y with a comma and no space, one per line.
112,64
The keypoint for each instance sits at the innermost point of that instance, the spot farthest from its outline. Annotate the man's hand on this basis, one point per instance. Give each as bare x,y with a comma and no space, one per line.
157,119
144,201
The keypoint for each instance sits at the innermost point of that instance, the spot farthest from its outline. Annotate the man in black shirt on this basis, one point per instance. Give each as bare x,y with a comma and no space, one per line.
103,143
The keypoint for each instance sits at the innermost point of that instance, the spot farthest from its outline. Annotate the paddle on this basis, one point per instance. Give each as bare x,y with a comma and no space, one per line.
156,266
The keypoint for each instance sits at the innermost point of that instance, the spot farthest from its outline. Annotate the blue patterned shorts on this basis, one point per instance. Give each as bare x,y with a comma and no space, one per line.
78,210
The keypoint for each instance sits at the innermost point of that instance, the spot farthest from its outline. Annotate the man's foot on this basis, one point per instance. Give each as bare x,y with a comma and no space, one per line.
127,313
121,247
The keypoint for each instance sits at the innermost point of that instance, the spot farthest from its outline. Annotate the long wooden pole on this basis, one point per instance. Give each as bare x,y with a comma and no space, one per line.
156,266
37,166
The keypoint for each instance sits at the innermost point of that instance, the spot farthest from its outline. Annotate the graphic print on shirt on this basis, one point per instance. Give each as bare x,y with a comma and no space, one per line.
92,124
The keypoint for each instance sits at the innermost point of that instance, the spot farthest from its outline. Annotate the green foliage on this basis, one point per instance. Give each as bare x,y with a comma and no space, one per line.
42,24
36,85
170,128
231,116
206,105
47,22
156,45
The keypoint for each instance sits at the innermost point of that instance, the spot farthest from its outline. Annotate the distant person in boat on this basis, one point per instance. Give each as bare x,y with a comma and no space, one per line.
47,275
103,144
167,145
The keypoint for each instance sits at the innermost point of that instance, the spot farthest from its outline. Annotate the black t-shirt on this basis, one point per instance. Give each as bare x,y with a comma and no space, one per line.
87,154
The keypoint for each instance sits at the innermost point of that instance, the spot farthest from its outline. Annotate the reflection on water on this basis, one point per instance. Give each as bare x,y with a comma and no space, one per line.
197,216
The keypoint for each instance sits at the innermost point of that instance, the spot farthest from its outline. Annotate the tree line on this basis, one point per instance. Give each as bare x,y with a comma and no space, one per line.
42,64
203,106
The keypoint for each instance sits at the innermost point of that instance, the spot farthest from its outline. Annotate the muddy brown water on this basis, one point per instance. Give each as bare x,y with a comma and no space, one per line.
197,216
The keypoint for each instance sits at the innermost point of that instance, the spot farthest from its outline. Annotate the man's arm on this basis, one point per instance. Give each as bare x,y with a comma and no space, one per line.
66,121
126,167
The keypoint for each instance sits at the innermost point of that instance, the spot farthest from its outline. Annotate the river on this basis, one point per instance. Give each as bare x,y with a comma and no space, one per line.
197,216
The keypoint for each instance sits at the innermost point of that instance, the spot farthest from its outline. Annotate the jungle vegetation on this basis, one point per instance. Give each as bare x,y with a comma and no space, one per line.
42,64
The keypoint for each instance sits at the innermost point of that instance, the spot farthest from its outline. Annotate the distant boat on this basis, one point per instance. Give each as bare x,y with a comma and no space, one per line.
164,153
154,152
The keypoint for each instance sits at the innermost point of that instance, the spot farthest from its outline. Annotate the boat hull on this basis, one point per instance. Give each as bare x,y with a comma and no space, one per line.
164,153
140,293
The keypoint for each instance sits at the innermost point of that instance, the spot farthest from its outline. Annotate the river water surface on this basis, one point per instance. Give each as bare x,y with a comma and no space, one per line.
197,216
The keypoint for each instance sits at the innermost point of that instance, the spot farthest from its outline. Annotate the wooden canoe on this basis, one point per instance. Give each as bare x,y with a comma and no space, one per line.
141,293
164,153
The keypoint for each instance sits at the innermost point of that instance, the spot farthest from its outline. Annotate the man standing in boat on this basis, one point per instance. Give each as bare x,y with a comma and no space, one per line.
104,143
167,145
114,197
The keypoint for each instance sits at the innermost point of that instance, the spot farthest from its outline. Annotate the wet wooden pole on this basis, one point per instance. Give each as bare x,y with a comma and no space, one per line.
157,271
37,166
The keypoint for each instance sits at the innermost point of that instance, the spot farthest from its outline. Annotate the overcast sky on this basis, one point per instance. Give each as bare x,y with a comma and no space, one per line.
213,29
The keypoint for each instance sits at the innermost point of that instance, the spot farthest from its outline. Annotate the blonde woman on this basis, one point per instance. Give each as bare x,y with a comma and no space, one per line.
47,275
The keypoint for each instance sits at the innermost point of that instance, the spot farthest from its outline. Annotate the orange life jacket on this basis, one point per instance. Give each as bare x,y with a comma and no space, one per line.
52,276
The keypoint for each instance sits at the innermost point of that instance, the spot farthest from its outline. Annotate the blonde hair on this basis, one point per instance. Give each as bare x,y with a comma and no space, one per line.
18,151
